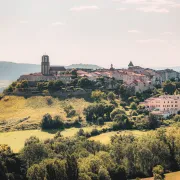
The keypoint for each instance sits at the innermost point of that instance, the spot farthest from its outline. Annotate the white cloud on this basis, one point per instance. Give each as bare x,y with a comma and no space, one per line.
133,31
167,33
84,8
146,41
23,22
157,6
153,9
57,24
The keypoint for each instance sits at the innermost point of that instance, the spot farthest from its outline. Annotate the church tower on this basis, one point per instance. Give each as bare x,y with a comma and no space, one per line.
45,65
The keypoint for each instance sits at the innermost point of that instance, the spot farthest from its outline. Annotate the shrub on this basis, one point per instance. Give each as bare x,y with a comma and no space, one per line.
133,105
177,118
158,172
94,132
48,123
97,95
116,111
134,113
100,121
111,96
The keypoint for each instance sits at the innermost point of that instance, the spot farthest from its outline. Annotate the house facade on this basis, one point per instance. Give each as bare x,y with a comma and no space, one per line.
164,104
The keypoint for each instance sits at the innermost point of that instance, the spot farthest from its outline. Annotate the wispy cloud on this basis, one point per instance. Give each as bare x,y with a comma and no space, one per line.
57,24
134,31
167,33
146,41
157,6
84,8
153,9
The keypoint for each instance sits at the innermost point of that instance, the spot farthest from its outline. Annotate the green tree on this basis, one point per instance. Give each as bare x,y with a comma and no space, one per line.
158,173
72,169
84,83
169,87
111,96
133,106
97,95
103,174
115,112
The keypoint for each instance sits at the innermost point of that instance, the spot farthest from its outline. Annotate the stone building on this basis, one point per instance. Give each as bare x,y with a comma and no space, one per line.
46,69
47,73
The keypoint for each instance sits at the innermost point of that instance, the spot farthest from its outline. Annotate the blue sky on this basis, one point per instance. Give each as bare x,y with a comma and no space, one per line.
100,32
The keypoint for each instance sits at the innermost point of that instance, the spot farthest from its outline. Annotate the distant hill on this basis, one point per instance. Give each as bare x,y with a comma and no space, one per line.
12,71
84,66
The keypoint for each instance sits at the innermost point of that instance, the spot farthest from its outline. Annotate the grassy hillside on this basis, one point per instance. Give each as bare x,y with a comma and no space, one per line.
16,139
13,109
169,176
105,137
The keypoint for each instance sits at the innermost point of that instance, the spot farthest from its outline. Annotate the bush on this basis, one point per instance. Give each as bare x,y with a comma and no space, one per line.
116,111
97,95
134,113
158,172
133,106
111,96
48,123
100,121
94,132
177,118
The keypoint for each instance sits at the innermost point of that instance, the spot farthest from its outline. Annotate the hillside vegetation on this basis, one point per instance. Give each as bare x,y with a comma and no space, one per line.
16,111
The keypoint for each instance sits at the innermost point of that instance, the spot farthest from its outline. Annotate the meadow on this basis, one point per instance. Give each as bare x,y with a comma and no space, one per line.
169,176
17,111
16,139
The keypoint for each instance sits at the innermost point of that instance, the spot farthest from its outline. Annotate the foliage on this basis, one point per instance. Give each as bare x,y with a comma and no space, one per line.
158,173
169,87
84,83
97,95
111,96
133,106
115,112
49,123
93,112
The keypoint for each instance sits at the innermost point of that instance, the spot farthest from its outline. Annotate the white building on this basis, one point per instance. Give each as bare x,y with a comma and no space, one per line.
164,104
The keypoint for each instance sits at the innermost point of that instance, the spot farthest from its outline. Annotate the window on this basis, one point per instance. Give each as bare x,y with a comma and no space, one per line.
176,105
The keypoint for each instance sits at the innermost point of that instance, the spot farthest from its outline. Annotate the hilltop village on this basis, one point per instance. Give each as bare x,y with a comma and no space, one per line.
141,79
133,112
126,83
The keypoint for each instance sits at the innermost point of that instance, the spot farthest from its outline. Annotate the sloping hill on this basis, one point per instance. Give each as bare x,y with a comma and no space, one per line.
16,111
12,71
84,66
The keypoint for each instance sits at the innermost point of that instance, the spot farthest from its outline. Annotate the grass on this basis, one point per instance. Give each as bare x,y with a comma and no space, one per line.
169,176
13,108
16,139
106,137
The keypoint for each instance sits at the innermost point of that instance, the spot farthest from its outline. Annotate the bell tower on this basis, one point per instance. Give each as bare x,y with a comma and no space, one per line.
45,65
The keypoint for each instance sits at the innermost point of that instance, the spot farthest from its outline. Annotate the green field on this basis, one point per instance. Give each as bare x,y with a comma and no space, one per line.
16,139
169,176
13,109
105,137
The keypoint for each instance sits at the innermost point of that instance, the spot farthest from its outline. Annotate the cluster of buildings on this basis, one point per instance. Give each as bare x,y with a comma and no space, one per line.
163,105
134,76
